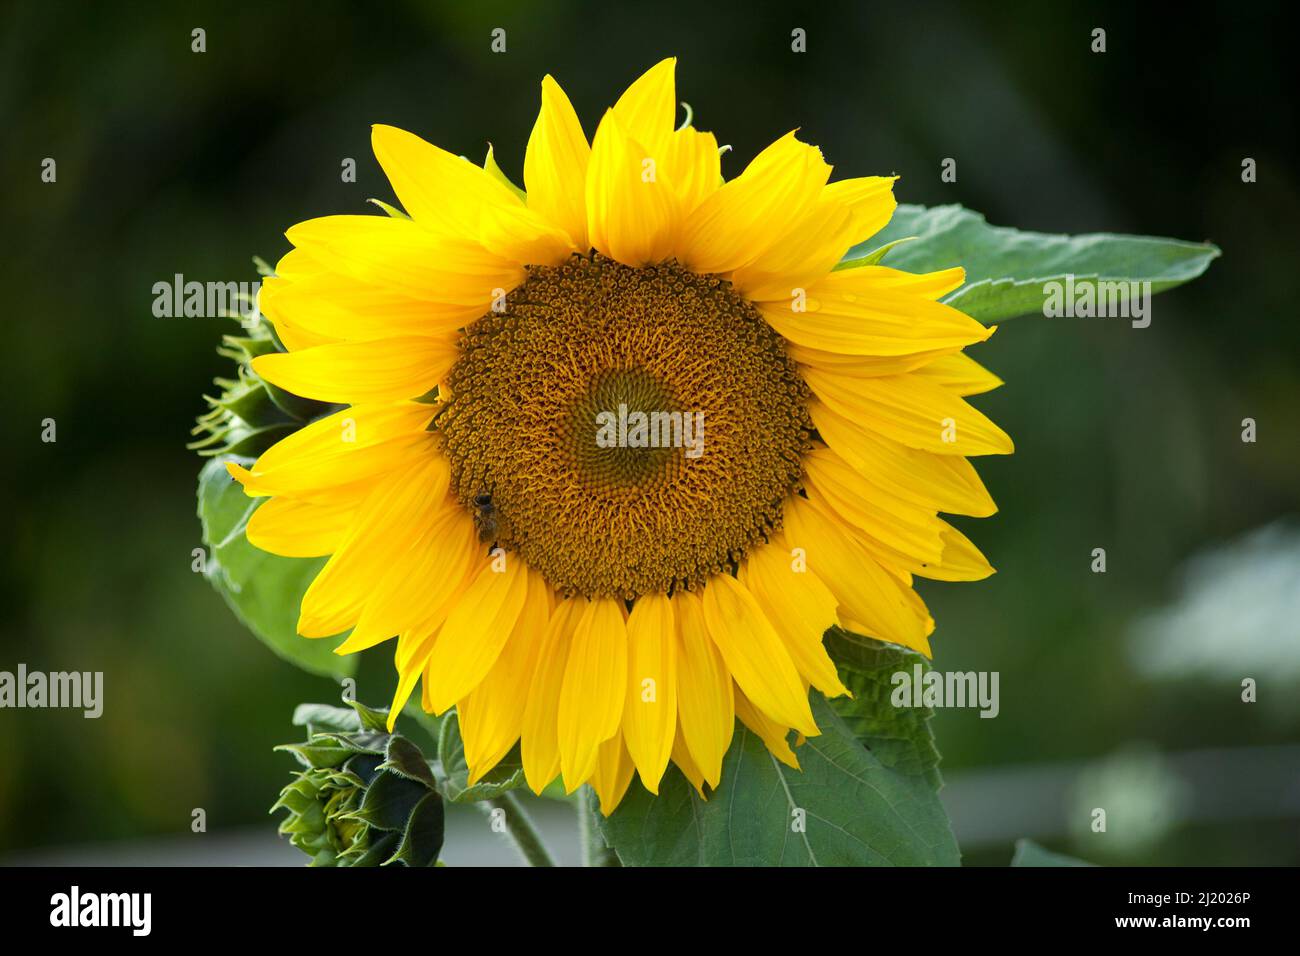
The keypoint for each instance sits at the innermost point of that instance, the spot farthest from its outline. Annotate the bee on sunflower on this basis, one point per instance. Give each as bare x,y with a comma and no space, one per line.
612,607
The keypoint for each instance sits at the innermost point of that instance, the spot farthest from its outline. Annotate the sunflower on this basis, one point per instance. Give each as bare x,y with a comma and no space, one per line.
613,606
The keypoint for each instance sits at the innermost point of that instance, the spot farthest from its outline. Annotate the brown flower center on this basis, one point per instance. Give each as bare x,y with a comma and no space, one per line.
625,431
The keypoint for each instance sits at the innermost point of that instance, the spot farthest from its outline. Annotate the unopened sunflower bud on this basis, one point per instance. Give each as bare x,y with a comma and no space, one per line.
365,797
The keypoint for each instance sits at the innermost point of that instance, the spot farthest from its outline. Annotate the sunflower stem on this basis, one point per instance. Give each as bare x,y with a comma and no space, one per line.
522,830
594,850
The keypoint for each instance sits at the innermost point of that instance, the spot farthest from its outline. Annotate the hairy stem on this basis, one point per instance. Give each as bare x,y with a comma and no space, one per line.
522,830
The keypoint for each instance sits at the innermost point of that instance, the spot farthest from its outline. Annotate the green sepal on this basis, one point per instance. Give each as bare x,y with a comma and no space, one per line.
362,742
423,835
404,759
376,853
371,718
871,258
493,170
388,802
317,755
322,717
392,211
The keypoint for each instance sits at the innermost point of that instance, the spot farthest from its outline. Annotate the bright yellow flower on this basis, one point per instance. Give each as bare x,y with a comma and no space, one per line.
614,606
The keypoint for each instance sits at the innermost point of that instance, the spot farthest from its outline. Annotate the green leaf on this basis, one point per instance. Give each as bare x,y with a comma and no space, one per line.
899,737
264,590
856,811
1029,853
1007,268
506,775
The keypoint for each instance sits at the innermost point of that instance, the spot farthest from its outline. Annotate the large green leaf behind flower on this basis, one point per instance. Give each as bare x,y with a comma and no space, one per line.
867,793
264,590
1006,268
843,808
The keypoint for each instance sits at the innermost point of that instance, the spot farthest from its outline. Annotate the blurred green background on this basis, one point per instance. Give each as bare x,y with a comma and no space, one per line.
1119,689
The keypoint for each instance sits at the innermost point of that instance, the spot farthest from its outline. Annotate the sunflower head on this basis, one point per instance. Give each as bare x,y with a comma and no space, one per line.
620,446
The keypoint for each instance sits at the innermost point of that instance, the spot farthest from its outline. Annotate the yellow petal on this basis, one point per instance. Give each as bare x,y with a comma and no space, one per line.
686,763
295,265
310,479
439,190
389,522
860,316
595,681
871,201
943,482
633,212
412,653
961,560
355,373
492,716
877,278
613,774
755,654
799,606
694,166
539,745
523,235
399,255
901,562
447,556
647,108
705,705
650,714
866,592
806,254
864,366
476,631
331,307
960,374
300,529
913,411
772,733
746,216
846,213
555,165
350,447
294,329
895,522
